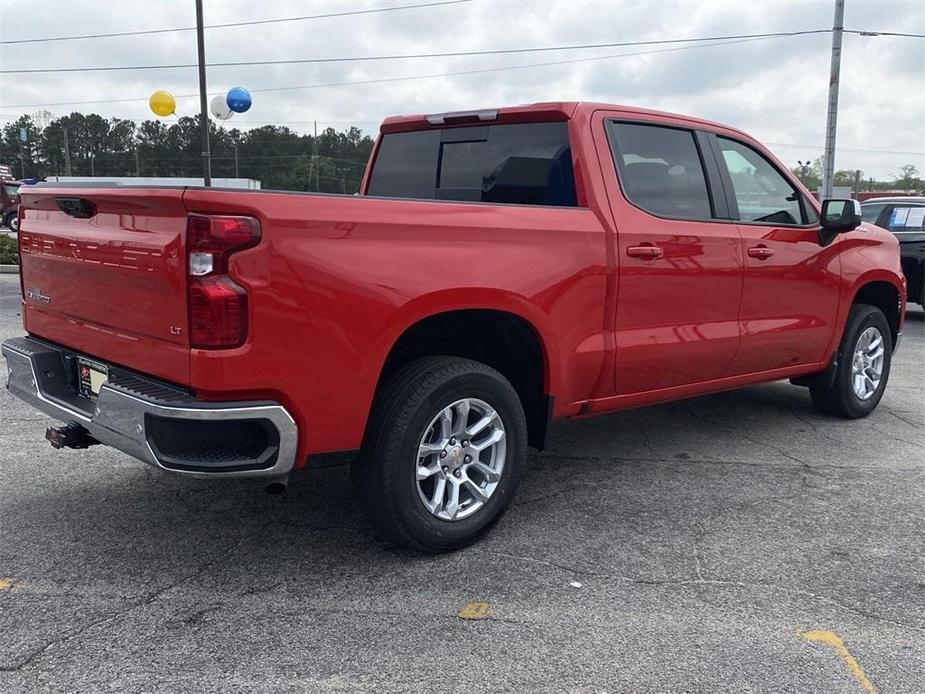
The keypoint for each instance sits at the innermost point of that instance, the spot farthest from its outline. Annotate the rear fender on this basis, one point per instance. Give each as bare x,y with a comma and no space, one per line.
462,299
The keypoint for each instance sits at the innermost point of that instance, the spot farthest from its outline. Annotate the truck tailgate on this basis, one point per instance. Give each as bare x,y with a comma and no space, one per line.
103,272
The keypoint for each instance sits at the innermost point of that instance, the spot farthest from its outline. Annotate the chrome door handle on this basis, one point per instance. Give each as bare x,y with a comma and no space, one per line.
760,252
646,252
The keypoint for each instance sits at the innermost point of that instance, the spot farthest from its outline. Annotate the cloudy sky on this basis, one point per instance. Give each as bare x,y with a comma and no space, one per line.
775,88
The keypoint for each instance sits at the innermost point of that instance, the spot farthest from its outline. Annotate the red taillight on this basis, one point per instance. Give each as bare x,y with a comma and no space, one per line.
217,305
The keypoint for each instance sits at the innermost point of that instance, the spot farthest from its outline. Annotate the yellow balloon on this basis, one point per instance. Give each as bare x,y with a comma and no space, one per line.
162,103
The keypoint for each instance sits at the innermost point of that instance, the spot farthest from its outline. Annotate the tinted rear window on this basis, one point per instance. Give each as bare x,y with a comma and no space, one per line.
526,164
660,170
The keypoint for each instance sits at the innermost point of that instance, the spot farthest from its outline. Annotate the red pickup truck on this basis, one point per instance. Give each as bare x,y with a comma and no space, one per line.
499,269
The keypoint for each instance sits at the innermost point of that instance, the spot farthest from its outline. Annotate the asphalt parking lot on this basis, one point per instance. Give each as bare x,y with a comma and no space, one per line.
681,548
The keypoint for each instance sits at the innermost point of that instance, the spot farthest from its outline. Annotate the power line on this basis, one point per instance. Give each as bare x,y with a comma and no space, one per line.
302,61
883,33
237,24
452,54
846,149
405,78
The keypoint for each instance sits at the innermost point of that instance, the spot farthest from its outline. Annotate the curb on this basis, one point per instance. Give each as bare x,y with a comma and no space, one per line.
9,269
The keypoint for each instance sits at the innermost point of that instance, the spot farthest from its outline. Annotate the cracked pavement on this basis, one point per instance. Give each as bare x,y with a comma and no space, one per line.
679,548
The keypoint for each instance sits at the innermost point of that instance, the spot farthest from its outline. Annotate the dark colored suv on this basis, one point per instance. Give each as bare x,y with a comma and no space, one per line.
905,217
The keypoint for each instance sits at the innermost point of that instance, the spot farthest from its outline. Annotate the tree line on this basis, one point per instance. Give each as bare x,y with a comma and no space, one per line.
280,158
810,175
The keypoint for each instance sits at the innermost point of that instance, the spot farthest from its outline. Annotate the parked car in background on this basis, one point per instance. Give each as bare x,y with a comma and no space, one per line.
499,269
9,204
905,217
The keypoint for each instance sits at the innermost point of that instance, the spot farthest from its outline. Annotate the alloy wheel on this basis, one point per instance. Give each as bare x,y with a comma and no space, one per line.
460,459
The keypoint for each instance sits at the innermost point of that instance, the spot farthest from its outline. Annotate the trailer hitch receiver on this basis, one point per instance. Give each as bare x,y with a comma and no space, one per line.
71,435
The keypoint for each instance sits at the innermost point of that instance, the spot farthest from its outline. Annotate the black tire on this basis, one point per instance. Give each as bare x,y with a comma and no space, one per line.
840,398
384,475
8,222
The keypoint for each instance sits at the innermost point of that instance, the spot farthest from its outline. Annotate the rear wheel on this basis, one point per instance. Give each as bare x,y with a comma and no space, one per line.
864,359
444,454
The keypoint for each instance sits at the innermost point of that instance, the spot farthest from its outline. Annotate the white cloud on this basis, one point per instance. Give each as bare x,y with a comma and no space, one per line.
775,89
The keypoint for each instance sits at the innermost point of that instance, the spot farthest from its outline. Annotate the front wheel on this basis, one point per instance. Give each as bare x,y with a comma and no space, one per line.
12,221
864,359
444,453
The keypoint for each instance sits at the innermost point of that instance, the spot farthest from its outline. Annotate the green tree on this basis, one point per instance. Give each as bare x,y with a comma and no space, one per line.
908,178
809,173
844,177
21,155
275,155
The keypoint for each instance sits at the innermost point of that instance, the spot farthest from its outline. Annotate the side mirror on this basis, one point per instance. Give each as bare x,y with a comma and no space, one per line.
840,215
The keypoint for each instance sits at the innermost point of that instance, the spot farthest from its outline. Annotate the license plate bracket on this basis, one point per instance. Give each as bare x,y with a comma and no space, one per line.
91,375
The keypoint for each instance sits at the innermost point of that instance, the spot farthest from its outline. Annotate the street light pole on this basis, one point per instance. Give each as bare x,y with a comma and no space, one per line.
203,107
67,155
828,164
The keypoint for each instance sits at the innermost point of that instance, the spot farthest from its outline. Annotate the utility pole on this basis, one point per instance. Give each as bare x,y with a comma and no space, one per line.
828,164
236,160
203,106
23,136
315,158
137,164
67,155
857,182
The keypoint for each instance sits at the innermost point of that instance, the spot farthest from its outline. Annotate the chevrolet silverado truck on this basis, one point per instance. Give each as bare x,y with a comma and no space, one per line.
499,269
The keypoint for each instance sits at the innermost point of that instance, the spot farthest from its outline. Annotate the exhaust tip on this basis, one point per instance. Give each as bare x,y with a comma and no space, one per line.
277,486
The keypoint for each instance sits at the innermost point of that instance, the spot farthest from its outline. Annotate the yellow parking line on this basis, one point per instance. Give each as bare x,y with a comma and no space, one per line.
474,610
5,583
830,638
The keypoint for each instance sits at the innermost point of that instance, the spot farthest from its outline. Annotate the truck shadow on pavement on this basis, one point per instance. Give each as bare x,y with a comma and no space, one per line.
643,479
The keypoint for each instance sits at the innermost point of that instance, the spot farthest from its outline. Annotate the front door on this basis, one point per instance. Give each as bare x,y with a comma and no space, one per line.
790,297
680,266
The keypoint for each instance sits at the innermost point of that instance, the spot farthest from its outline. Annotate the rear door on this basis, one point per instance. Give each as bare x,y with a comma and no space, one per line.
104,272
680,267
790,297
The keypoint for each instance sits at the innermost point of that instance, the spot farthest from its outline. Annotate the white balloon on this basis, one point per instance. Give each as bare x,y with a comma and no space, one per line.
219,108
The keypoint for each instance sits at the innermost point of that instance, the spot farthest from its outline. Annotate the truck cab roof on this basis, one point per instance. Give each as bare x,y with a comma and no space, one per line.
540,111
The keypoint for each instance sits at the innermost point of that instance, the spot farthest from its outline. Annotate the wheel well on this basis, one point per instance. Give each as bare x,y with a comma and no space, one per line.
501,340
884,296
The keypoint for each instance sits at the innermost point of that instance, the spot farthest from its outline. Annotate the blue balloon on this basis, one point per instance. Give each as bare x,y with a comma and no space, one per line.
238,99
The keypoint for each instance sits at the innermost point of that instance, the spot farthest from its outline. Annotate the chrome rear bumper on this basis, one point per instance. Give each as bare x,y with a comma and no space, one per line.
156,423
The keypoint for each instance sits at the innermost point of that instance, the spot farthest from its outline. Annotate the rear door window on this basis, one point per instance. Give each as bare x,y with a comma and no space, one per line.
660,170
524,163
